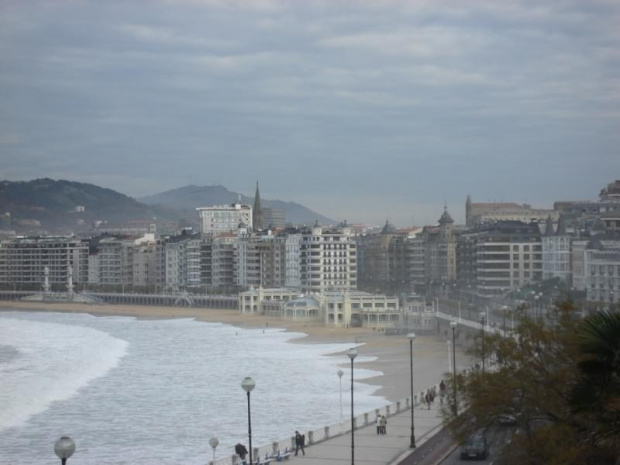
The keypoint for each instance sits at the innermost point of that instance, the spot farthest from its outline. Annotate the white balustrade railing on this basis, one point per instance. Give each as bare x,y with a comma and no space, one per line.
327,432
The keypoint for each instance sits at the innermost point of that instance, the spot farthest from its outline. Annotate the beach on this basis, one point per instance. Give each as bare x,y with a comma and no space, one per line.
391,353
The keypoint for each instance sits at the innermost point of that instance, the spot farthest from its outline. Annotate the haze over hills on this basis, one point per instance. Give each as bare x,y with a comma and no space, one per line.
54,205
191,197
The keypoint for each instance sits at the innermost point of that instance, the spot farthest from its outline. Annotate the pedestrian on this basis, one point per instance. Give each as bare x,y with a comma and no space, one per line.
300,440
383,424
433,394
442,391
241,451
378,422
427,399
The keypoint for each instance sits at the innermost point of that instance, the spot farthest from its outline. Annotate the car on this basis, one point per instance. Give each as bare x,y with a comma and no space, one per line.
475,447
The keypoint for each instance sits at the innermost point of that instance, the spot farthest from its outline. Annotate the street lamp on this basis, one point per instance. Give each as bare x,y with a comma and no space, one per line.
455,405
213,442
352,353
340,373
483,322
411,337
504,310
248,384
64,448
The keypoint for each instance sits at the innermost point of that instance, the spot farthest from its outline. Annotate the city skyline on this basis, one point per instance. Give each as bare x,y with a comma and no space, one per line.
361,111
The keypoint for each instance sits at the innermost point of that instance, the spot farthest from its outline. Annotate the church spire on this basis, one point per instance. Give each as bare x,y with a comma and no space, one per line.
257,212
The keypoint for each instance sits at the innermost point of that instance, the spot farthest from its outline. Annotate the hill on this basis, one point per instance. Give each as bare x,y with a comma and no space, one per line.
54,204
191,197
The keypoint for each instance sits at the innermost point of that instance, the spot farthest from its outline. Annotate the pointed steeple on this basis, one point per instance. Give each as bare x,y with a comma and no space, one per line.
257,212
549,227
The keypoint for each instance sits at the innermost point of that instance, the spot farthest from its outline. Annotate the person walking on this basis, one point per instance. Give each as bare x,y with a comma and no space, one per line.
427,399
442,391
378,422
241,451
383,424
300,440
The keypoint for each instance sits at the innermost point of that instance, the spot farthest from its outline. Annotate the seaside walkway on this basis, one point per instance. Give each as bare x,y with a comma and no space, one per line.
372,448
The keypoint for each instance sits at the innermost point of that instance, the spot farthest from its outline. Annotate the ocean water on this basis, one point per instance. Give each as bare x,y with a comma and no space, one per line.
131,391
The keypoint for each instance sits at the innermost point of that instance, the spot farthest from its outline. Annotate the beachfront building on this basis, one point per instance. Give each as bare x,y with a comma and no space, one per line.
23,261
264,301
183,261
224,218
503,256
418,315
356,308
328,259
260,259
332,308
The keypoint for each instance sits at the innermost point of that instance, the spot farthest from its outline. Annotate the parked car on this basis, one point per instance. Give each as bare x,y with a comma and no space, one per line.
475,447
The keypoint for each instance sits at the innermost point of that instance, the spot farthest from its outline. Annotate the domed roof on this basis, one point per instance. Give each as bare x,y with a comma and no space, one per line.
242,225
388,228
446,218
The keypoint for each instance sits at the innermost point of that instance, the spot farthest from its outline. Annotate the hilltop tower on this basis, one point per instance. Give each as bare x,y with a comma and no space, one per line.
258,217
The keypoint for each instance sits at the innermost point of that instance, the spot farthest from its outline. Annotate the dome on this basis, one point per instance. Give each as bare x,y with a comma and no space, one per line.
446,218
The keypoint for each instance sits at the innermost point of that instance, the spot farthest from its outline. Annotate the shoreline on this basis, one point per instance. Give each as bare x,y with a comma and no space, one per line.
391,353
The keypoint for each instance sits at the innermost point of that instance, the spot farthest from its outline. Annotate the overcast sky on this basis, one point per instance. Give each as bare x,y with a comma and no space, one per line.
360,109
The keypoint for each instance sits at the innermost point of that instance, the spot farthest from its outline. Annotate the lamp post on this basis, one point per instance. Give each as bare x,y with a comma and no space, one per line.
248,384
411,337
455,405
504,310
483,322
213,442
64,448
352,353
449,355
340,373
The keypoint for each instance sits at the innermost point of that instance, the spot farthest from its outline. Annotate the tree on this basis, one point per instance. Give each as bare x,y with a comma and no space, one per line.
540,385
596,397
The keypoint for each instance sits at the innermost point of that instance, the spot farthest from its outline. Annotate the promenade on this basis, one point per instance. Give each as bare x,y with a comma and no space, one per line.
372,448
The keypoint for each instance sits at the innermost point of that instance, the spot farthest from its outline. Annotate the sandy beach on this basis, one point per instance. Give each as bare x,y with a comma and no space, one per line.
430,353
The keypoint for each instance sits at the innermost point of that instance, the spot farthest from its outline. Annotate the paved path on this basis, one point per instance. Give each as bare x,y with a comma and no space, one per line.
371,448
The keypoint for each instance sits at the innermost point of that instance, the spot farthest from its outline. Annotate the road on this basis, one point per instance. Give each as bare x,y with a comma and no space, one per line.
496,440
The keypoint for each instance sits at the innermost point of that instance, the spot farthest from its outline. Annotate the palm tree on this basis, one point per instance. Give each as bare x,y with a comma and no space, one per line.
596,398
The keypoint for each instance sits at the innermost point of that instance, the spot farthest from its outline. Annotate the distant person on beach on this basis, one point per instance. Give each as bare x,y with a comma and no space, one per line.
383,424
300,440
241,451
378,422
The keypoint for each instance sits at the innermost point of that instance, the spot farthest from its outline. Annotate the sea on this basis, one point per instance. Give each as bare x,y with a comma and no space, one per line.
146,391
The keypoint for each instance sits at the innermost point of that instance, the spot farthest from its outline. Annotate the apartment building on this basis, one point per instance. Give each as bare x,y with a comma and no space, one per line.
508,255
219,219
328,259
556,252
23,261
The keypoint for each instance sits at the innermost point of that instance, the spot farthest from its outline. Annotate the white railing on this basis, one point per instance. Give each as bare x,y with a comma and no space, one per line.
325,433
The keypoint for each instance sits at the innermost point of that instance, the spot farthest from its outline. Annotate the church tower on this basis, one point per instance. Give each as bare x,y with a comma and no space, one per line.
257,213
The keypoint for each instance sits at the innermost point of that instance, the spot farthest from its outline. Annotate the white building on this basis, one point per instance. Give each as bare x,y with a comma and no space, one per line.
556,252
603,271
328,259
292,261
224,218
183,261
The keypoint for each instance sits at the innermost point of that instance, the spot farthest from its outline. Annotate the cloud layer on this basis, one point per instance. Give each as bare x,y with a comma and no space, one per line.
364,109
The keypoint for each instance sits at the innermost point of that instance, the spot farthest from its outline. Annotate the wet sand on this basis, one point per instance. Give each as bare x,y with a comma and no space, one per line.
392,356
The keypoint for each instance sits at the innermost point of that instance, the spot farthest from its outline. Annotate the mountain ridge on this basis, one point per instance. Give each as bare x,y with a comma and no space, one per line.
193,196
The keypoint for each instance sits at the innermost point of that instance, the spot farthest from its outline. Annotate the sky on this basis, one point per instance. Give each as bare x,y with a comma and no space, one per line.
361,110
